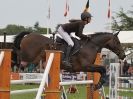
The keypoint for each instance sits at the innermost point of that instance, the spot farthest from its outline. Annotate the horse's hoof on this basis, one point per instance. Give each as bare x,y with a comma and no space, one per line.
97,86
103,80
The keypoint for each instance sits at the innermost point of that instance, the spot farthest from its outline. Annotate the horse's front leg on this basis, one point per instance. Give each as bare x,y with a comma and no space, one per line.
99,69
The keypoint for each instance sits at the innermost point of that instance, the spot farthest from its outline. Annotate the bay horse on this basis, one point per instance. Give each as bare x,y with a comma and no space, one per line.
31,48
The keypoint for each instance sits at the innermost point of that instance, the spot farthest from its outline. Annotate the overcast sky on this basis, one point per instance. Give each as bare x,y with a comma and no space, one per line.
27,12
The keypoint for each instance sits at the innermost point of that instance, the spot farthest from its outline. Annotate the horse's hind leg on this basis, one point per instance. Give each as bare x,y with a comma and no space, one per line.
40,56
99,69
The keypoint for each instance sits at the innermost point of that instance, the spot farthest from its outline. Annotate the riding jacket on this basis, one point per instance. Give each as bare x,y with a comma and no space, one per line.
76,26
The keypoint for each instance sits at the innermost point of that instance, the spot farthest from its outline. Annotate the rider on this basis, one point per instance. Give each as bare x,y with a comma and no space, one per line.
66,29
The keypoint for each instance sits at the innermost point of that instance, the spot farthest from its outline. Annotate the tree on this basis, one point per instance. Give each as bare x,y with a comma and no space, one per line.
123,20
39,29
36,26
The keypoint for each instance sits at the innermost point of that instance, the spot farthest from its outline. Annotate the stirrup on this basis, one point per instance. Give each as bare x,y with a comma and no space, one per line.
68,64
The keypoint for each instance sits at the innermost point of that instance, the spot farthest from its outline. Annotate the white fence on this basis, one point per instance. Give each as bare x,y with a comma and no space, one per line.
115,84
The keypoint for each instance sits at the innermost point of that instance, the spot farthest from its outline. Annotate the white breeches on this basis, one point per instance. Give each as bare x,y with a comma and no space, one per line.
65,36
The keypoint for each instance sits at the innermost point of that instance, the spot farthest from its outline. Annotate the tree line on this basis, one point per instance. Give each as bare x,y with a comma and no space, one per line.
13,29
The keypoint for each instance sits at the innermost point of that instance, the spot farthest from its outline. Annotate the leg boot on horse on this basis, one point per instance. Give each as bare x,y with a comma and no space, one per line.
66,61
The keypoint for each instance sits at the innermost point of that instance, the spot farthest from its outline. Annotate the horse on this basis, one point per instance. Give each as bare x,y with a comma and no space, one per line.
32,46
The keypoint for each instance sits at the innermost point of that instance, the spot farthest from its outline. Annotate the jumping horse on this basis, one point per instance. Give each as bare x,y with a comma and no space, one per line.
31,46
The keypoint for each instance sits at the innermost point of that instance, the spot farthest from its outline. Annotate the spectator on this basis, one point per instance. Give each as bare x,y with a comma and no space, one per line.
125,68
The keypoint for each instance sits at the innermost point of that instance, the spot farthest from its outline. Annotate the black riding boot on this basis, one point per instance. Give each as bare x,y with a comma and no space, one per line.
66,60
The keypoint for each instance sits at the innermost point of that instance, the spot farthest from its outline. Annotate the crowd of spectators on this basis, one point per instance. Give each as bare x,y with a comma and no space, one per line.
127,69
30,68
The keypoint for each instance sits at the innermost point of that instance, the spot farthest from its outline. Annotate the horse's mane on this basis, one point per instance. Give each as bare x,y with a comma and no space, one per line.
100,33
18,39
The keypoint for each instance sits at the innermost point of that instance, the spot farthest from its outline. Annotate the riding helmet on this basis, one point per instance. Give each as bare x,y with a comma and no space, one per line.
85,15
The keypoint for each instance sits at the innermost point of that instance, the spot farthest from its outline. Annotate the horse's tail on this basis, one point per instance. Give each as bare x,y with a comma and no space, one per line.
18,38
16,48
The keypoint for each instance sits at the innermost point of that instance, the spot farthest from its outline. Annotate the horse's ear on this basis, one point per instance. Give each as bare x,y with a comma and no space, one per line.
116,34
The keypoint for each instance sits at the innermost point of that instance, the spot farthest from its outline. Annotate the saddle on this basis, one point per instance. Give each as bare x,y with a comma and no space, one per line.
64,45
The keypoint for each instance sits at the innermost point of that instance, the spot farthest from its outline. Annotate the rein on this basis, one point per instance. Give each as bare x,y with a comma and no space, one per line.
53,40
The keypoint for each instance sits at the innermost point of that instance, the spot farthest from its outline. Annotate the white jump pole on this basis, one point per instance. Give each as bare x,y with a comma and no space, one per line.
76,82
45,75
61,83
1,57
25,81
24,91
127,78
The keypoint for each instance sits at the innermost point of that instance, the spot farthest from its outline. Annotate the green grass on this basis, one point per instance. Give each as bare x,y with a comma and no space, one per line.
81,95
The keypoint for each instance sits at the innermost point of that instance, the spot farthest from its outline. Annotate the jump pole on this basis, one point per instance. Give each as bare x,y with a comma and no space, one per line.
53,89
91,94
5,70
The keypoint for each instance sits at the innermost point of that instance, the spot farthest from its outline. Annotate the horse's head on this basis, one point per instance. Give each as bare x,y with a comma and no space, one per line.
114,45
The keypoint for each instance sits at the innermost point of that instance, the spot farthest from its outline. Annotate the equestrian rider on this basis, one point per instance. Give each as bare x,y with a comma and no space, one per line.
77,26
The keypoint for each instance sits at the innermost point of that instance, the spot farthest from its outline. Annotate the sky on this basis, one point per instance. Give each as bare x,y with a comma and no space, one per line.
28,12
